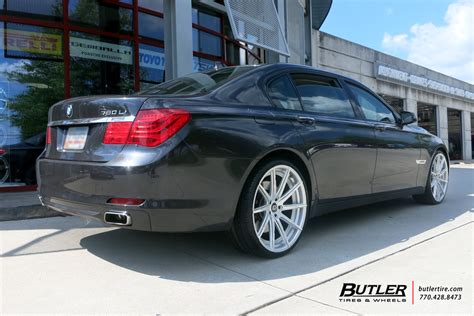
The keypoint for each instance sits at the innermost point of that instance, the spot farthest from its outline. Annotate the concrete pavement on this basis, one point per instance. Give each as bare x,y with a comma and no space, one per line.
69,265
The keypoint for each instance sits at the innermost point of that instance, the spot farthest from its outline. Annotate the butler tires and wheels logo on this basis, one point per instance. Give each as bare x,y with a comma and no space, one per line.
376,293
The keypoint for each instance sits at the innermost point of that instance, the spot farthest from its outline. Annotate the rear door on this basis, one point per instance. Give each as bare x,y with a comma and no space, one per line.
398,149
341,145
77,126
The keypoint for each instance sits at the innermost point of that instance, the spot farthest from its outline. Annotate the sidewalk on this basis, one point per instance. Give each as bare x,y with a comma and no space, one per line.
22,205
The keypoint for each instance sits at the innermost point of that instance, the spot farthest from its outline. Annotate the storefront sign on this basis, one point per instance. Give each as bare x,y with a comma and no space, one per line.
156,60
151,59
383,71
90,49
33,42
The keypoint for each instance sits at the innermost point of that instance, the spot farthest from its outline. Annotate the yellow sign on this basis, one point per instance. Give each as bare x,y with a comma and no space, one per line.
34,42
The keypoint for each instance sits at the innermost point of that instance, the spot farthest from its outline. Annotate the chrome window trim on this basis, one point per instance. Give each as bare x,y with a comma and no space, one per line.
129,118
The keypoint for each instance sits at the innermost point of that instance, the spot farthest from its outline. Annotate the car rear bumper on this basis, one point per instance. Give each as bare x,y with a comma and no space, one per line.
140,219
181,195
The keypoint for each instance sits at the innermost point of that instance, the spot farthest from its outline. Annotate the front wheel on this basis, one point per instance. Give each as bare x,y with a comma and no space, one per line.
272,210
437,182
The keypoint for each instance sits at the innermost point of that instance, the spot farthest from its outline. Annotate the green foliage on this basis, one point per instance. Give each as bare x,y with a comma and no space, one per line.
45,86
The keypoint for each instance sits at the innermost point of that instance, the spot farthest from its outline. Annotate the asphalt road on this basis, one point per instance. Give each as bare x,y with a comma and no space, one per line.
69,265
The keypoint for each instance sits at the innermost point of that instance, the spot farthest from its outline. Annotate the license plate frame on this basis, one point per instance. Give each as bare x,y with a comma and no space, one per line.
76,138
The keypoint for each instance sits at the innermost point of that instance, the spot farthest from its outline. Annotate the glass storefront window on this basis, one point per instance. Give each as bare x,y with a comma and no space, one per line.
155,5
46,9
100,65
455,134
92,13
206,43
150,26
427,117
31,80
206,19
152,65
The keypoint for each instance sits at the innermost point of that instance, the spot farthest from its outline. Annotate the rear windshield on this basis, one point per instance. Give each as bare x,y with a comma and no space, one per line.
197,83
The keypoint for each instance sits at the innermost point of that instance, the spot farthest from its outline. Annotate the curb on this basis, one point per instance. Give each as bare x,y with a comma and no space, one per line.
26,212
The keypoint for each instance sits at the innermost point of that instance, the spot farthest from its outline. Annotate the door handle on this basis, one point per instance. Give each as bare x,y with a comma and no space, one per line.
305,120
380,127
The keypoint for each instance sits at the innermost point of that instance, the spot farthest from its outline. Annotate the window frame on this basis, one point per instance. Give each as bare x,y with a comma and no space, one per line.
348,83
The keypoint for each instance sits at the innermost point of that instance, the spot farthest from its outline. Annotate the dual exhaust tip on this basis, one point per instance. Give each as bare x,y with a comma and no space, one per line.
120,218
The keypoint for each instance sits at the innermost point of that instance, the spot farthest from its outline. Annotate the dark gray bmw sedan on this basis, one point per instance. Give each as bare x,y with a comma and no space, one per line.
252,150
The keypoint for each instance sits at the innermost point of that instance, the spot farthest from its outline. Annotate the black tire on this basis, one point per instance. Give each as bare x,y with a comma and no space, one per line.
427,196
242,231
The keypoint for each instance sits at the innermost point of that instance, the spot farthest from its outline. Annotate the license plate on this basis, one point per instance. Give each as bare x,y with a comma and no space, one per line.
75,138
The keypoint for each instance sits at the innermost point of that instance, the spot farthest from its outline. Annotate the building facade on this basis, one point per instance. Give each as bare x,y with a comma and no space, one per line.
56,49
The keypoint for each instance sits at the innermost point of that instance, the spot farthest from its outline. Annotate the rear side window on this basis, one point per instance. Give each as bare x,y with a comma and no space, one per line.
283,94
197,83
323,96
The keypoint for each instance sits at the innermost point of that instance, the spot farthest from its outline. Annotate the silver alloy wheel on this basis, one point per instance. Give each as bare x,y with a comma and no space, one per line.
439,177
4,170
279,208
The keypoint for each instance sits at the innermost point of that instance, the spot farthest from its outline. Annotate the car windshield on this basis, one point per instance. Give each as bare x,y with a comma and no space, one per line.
197,83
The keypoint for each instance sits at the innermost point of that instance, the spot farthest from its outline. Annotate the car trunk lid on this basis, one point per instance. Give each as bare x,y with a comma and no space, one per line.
77,126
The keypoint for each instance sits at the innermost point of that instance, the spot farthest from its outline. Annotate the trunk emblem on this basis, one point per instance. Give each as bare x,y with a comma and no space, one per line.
69,111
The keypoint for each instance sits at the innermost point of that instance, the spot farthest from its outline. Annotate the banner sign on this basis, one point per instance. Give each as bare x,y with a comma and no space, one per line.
383,71
90,49
151,59
33,42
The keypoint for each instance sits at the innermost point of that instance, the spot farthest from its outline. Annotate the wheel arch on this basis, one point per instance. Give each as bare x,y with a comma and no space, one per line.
292,155
444,150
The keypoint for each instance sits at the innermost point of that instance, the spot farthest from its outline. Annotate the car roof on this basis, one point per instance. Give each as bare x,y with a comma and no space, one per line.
296,67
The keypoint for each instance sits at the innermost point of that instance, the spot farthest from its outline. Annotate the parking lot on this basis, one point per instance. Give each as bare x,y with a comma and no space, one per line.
70,265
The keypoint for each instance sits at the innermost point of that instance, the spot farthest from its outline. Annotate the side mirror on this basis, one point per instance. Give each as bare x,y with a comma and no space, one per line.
407,118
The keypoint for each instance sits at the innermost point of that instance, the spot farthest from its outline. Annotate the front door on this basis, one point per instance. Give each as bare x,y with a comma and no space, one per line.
398,149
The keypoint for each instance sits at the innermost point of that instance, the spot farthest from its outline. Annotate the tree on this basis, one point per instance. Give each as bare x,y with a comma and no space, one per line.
45,86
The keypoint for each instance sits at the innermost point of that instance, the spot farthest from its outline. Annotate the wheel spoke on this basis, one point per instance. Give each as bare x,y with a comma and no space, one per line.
261,209
287,207
290,192
435,189
271,235
282,184
263,225
273,184
285,218
282,231
441,188
264,192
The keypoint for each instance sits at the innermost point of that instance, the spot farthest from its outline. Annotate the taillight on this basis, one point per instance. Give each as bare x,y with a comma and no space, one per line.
48,135
2,151
117,133
150,128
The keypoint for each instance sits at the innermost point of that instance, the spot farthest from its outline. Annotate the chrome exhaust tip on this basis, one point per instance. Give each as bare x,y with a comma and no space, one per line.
120,218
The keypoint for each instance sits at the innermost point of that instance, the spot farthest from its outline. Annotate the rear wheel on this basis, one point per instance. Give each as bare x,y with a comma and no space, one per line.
272,211
437,182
